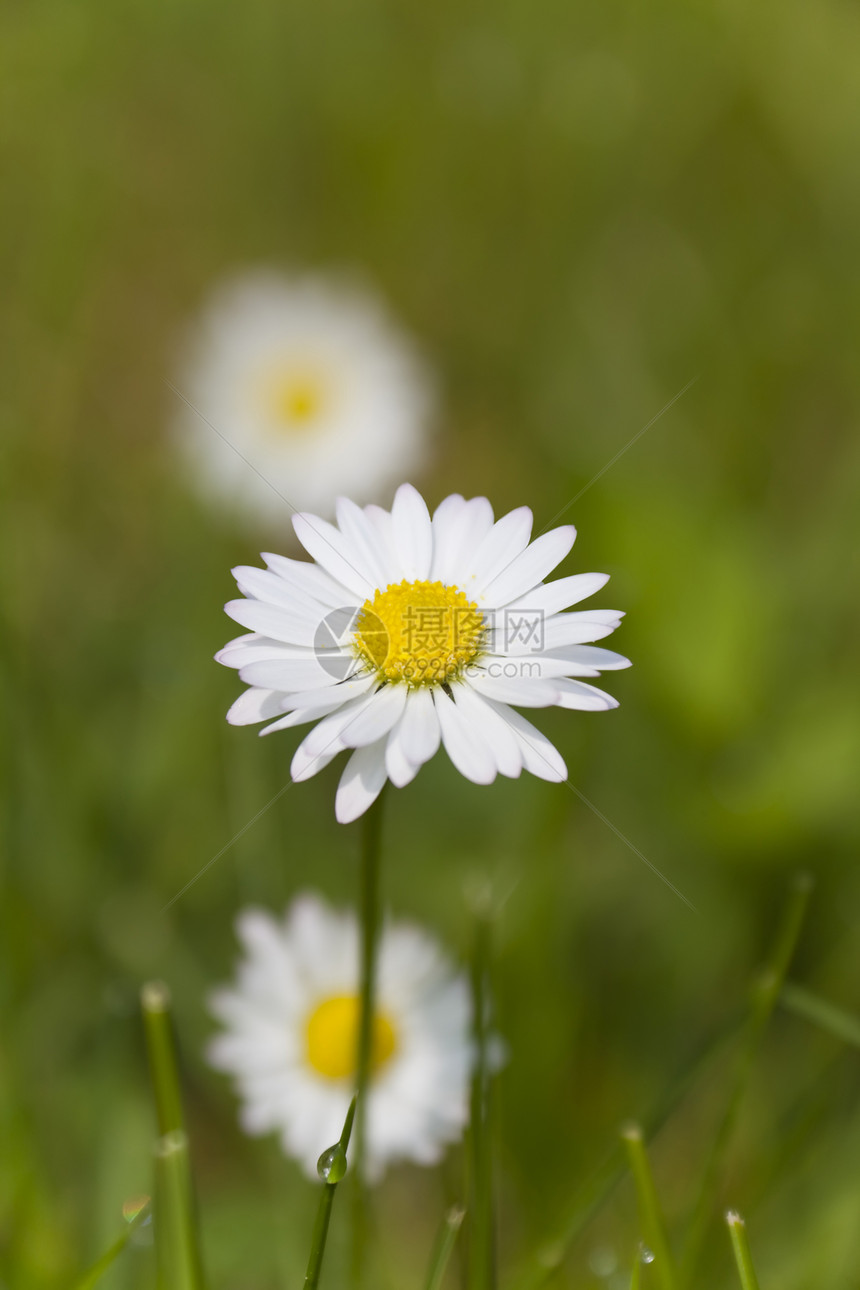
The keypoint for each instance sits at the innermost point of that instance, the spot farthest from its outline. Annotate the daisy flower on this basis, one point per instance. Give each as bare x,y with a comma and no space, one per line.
307,382
406,632
291,1030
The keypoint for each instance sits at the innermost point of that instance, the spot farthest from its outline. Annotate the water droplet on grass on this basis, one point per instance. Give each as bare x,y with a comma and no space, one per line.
331,1165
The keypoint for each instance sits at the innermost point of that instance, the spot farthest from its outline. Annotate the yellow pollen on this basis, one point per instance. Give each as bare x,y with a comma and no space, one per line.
423,633
332,1037
294,398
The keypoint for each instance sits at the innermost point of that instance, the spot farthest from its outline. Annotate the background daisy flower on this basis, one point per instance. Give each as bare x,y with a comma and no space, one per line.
406,632
311,383
290,1037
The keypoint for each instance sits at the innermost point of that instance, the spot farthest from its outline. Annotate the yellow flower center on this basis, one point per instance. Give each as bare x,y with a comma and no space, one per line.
294,397
423,633
332,1037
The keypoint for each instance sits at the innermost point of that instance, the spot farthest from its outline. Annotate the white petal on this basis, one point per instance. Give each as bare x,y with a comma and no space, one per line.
253,706
530,667
592,656
508,537
400,770
540,757
587,698
419,726
444,523
274,621
309,579
531,567
383,711
412,533
457,529
253,647
552,597
299,717
361,783
306,764
331,696
330,549
465,746
526,692
364,538
557,631
288,674
496,732
263,584
380,520
327,736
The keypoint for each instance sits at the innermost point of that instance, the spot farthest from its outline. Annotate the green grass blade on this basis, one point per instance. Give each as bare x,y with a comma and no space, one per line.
176,1243
482,1258
764,994
651,1214
321,1224
836,1021
592,1195
94,1273
161,1048
444,1247
740,1246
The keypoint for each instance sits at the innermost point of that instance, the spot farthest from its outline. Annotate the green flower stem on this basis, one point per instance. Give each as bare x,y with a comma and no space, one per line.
444,1246
482,1258
320,1232
764,995
94,1273
161,1047
176,1244
370,918
740,1245
836,1021
651,1215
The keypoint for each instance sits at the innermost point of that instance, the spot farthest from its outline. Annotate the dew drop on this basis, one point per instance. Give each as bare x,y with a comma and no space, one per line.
645,1255
331,1165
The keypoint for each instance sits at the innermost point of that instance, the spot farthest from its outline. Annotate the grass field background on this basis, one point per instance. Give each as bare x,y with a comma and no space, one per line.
577,211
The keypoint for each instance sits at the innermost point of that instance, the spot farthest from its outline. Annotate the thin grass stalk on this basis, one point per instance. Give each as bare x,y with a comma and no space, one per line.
336,1165
482,1254
821,1012
650,1211
161,1049
371,850
96,1270
740,1246
444,1247
596,1191
176,1243
764,995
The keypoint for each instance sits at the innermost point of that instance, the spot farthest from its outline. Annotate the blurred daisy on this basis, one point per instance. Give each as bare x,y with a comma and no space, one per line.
291,1029
311,384
408,631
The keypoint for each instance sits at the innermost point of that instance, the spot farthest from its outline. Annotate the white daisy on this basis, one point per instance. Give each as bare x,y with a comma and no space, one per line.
311,384
408,631
291,1036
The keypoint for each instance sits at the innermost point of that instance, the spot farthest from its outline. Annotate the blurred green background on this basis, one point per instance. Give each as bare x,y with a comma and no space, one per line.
577,210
